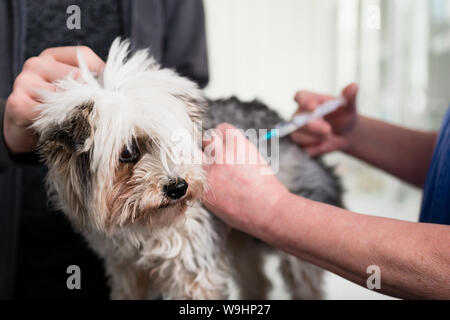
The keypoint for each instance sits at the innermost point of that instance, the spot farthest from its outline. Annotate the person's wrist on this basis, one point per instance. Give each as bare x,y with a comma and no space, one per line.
275,201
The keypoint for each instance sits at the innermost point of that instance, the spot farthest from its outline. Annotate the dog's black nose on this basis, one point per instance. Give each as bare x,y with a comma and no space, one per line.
175,190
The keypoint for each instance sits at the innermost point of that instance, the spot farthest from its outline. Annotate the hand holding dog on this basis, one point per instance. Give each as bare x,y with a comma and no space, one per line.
239,193
39,73
335,131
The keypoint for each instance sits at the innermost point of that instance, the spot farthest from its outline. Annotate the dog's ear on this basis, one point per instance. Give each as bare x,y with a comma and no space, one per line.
196,107
71,135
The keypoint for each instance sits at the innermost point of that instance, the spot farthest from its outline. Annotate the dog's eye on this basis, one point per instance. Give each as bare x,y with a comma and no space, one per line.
130,155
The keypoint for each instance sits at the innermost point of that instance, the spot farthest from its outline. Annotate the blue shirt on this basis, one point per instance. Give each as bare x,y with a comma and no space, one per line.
436,199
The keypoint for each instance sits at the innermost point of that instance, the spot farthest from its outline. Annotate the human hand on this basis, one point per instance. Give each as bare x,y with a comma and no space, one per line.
243,193
334,131
39,73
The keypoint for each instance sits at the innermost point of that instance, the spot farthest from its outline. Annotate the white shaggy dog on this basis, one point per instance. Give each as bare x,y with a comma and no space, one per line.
114,170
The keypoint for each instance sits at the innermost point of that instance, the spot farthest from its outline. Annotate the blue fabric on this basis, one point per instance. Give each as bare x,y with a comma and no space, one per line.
436,199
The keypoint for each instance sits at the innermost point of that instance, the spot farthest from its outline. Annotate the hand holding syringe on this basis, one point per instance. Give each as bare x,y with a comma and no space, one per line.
287,127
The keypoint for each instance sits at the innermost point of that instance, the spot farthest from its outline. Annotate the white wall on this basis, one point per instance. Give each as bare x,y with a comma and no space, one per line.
269,49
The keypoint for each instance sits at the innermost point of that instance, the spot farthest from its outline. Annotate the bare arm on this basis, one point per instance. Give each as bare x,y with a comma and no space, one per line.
414,258
401,152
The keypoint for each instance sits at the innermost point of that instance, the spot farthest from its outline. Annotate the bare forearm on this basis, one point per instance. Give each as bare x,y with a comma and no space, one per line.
401,152
414,258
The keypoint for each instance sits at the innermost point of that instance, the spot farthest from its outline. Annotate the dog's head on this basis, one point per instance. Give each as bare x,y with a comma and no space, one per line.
124,147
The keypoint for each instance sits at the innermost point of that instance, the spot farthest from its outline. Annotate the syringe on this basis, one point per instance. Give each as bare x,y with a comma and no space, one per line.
286,127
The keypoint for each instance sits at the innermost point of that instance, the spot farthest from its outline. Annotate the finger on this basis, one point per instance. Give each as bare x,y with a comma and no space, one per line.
51,70
318,150
36,85
228,132
223,127
206,142
305,139
68,55
212,149
318,127
47,68
210,137
350,93
22,108
313,133
308,101
30,113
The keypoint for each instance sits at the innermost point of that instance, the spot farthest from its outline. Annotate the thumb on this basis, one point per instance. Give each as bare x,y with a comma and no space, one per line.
218,133
223,127
350,93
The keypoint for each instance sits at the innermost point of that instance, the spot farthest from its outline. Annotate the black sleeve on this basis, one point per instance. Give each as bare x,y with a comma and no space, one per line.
5,160
185,40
